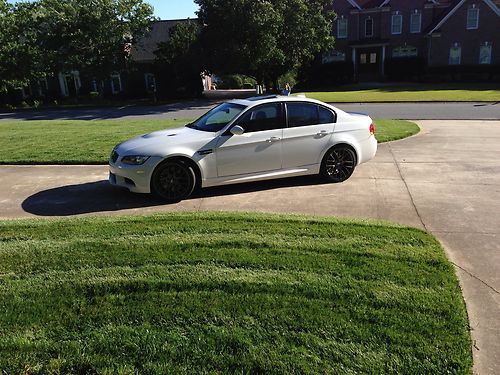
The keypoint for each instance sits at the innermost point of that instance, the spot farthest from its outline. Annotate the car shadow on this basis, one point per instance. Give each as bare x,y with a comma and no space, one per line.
100,196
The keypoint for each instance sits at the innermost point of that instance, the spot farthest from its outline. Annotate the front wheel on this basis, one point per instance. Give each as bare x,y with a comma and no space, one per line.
338,164
173,181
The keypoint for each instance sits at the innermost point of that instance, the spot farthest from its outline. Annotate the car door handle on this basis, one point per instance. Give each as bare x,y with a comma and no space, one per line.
321,133
273,139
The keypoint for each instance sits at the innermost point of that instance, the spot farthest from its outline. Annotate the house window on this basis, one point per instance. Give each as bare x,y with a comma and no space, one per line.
116,83
397,23
472,17
405,51
362,58
415,22
368,27
485,53
342,28
373,58
455,54
333,56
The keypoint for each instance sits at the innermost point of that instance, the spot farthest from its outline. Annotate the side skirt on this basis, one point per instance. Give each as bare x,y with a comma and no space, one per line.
280,173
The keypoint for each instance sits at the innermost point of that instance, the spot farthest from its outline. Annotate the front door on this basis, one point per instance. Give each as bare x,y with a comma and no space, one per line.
369,64
258,149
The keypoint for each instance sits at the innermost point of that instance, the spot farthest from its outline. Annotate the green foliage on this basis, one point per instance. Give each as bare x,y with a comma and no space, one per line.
235,81
91,35
51,36
264,39
227,293
21,57
178,60
182,37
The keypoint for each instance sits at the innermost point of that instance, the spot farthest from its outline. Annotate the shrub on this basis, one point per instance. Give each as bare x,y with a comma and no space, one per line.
404,68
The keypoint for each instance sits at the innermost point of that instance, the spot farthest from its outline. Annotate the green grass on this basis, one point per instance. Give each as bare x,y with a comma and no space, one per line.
90,142
411,93
246,293
70,141
391,130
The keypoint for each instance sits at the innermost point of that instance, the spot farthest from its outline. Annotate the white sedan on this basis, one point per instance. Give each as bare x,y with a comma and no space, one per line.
239,141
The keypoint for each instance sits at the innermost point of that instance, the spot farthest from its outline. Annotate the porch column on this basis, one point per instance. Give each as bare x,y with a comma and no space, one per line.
355,67
383,61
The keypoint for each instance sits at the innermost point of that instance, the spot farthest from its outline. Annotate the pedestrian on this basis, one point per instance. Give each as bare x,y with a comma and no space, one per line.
287,90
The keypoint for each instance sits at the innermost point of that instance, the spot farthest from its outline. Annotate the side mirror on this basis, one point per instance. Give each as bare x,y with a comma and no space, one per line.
237,130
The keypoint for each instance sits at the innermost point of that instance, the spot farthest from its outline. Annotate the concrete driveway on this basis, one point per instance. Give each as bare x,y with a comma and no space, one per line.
445,180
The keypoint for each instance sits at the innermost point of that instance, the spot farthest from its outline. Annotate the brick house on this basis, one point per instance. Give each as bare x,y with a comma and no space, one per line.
376,35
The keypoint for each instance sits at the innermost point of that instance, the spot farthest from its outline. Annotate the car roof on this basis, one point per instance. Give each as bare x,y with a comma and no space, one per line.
256,100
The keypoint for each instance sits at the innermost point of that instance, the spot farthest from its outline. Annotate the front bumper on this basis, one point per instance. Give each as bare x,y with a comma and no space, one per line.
136,178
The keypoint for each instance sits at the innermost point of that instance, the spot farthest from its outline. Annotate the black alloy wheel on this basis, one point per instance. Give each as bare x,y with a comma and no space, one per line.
338,164
173,181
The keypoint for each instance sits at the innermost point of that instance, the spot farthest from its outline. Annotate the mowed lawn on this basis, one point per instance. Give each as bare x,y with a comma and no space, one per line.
91,142
227,293
459,92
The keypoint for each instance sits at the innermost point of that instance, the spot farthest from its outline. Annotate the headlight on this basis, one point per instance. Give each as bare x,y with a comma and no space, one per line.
135,159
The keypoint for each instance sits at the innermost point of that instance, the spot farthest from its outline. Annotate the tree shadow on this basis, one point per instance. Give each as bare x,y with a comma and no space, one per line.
100,196
110,113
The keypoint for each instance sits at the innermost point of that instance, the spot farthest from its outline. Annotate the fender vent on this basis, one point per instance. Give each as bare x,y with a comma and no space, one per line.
205,152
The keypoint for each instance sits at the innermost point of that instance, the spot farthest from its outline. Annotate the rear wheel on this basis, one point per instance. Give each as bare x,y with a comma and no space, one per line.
173,181
338,164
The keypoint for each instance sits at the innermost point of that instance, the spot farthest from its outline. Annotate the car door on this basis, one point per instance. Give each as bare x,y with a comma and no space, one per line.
258,149
310,128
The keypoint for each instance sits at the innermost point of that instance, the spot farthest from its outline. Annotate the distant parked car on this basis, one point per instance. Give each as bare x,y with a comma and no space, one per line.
238,141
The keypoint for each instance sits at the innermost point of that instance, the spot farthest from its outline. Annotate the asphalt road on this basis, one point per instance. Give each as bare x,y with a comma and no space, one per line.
194,109
445,180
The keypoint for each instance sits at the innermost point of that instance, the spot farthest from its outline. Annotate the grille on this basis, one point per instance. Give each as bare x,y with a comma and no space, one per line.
114,156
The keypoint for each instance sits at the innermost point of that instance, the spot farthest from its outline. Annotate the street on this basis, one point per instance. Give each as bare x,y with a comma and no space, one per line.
194,109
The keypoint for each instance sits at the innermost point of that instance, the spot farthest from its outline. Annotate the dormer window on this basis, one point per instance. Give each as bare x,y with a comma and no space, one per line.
342,28
472,17
368,27
397,23
415,22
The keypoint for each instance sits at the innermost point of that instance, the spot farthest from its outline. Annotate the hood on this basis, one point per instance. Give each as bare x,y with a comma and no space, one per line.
161,143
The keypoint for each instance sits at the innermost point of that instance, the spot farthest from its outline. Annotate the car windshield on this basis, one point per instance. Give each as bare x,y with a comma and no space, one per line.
218,117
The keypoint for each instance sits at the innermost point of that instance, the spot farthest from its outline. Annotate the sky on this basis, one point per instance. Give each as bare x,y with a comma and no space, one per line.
174,9
169,9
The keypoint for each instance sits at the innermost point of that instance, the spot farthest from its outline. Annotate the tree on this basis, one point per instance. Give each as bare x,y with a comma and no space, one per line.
91,35
178,60
21,59
264,39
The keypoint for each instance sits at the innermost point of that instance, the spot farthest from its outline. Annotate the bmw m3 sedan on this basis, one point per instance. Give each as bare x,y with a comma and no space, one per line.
238,141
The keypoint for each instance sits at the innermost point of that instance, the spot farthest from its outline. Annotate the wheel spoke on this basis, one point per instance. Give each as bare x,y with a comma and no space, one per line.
173,182
340,164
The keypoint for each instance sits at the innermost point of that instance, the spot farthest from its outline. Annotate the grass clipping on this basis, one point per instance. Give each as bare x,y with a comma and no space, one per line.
197,293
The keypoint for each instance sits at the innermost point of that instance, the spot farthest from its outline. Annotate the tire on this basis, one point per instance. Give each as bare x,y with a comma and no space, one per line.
338,164
173,181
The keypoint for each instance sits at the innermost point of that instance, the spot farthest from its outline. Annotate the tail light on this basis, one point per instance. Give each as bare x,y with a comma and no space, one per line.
372,129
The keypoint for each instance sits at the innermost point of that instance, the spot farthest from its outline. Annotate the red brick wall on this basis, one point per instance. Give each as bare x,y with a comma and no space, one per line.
455,30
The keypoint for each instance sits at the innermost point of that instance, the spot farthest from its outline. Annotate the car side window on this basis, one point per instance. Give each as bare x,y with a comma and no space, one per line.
302,114
326,116
264,117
